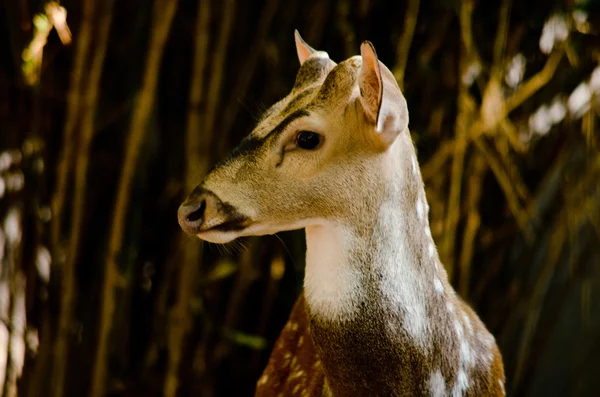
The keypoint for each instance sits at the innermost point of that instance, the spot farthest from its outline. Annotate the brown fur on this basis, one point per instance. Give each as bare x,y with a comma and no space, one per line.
294,368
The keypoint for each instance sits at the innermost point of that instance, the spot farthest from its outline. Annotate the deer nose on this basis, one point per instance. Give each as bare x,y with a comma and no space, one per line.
192,213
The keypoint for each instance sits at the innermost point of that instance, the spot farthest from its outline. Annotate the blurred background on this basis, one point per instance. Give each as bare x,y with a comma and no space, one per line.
112,111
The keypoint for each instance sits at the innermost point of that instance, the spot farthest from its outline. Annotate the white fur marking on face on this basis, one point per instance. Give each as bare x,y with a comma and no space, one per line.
461,384
437,385
332,288
439,287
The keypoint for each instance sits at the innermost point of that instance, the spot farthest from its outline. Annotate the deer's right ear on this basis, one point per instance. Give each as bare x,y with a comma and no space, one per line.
303,49
381,99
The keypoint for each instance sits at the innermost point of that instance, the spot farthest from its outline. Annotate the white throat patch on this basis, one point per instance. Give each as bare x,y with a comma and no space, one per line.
332,287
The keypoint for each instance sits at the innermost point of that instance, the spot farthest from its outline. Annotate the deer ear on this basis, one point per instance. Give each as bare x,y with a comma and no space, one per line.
304,50
381,99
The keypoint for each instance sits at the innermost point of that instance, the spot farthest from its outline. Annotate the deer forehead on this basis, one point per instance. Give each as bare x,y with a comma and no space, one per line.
321,87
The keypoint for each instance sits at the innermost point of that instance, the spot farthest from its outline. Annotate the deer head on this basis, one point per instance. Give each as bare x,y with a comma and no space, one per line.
318,155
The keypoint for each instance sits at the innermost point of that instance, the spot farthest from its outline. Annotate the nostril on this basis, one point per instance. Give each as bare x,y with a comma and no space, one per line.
197,214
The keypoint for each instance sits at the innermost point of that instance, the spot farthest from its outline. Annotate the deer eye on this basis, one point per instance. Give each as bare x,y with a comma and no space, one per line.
308,140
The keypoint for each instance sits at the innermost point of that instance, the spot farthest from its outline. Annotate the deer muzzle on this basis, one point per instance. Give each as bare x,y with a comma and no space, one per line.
203,212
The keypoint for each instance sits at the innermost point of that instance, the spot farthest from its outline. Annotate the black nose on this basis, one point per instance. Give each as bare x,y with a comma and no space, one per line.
191,212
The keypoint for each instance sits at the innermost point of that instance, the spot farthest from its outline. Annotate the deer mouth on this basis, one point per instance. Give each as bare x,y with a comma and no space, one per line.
225,232
232,225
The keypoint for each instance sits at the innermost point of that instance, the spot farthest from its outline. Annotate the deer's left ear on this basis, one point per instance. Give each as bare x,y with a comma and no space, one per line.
303,49
381,99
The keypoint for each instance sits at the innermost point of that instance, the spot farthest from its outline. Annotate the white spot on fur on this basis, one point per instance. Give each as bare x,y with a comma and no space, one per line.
439,287
430,250
487,338
502,386
437,385
466,353
427,231
420,209
415,167
461,384
468,323
450,307
458,327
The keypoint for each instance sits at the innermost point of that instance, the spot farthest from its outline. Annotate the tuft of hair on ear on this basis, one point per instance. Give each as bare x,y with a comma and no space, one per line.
303,49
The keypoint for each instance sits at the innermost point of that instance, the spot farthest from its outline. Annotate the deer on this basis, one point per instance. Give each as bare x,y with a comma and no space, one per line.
378,315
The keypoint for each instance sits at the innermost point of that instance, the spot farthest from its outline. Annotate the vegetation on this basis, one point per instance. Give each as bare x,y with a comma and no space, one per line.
112,111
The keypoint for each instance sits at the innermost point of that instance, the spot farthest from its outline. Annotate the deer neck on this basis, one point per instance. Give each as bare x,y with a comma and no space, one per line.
370,286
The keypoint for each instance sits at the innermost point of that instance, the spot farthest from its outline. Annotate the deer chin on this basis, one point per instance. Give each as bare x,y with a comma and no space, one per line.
217,236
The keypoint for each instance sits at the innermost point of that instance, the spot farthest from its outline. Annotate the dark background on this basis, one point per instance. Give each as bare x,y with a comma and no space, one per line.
100,144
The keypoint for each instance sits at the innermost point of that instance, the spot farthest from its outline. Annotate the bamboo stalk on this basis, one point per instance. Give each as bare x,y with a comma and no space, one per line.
466,108
514,204
68,290
434,164
476,174
501,38
403,46
345,28
63,172
163,14
318,19
243,83
73,111
218,67
197,160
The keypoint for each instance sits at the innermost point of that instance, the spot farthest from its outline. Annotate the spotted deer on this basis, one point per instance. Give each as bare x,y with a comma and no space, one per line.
378,316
